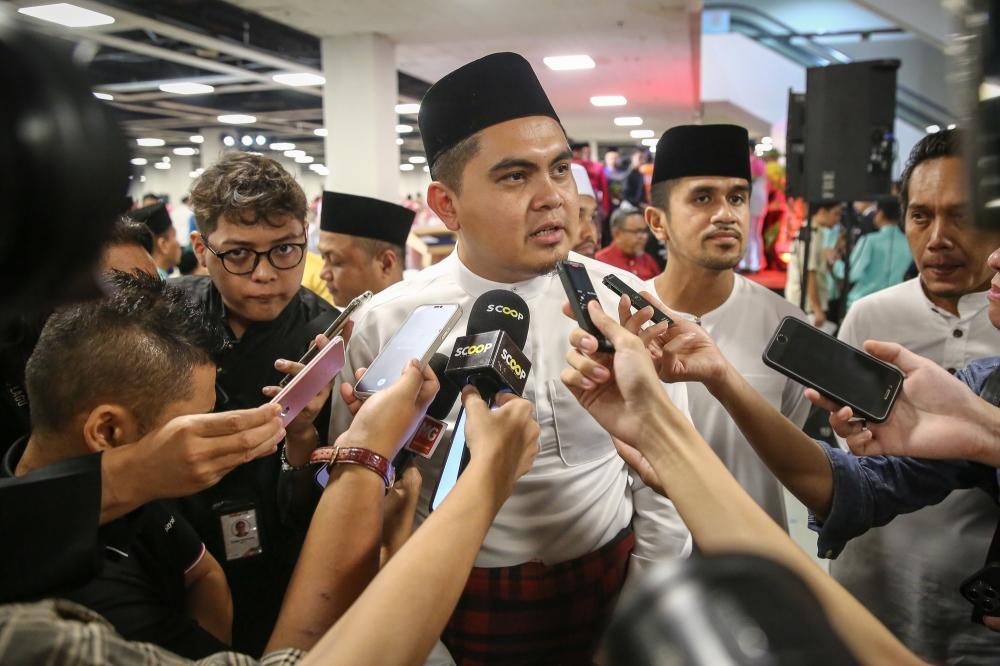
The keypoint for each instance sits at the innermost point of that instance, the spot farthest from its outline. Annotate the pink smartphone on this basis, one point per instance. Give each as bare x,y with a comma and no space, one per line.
307,384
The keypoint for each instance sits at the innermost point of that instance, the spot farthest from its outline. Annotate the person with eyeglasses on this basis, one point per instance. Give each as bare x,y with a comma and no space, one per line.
629,234
251,236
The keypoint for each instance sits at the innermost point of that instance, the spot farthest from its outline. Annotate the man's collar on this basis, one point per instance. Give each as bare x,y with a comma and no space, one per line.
968,306
218,307
475,285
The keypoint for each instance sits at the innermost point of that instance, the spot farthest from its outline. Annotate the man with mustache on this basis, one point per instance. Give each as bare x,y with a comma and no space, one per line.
700,206
943,315
550,568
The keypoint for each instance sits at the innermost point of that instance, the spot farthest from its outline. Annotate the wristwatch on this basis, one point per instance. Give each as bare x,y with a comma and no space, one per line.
354,455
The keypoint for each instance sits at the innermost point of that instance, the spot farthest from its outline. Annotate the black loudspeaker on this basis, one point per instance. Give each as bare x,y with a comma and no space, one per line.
795,145
849,117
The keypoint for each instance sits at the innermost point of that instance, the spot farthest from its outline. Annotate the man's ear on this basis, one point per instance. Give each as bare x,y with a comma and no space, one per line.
198,245
656,220
108,427
443,202
386,262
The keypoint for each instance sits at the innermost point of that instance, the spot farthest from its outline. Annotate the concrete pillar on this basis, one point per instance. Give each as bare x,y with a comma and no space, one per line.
211,147
359,97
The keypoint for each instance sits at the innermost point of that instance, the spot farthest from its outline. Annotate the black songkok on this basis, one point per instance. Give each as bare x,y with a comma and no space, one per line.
702,150
486,92
155,217
365,217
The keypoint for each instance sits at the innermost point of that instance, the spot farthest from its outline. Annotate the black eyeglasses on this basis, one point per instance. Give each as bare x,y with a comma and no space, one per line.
243,261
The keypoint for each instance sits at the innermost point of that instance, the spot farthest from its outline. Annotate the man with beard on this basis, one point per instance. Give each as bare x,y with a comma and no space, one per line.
588,240
701,209
550,568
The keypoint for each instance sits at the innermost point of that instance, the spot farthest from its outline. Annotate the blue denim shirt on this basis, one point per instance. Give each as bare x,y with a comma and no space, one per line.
869,491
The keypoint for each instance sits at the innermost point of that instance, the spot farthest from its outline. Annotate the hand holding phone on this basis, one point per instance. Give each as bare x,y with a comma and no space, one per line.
311,380
617,285
335,329
580,291
838,371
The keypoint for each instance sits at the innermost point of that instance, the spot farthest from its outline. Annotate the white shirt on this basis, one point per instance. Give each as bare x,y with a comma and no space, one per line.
180,217
908,572
742,327
579,494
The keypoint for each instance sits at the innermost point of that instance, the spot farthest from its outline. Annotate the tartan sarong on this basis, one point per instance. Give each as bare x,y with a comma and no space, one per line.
538,614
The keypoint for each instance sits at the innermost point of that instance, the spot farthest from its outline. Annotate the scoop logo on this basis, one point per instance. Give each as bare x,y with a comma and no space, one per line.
473,350
503,309
512,364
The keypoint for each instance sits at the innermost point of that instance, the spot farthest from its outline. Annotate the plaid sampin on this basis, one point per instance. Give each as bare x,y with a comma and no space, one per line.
537,614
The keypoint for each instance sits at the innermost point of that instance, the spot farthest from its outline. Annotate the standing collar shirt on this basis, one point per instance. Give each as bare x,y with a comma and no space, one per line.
579,494
258,581
908,572
741,327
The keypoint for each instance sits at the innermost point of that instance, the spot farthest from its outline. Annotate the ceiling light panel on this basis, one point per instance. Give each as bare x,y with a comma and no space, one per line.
642,134
68,15
628,120
187,88
298,79
282,146
408,109
237,119
150,143
560,63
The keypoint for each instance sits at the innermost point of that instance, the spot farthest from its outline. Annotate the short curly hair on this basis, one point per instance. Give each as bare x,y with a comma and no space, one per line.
248,189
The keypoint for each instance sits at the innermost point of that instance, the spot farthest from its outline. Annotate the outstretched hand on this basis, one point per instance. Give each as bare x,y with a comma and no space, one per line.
621,390
935,416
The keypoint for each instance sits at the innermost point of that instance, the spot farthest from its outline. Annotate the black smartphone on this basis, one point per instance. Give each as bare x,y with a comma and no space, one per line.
617,285
580,291
982,590
846,375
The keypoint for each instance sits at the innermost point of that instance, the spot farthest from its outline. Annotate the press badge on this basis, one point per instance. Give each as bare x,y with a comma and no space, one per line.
240,534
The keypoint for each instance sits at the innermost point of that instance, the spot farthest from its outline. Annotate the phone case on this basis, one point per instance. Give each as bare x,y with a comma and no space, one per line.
578,302
431,349
307,384
618,286
982,590
858,410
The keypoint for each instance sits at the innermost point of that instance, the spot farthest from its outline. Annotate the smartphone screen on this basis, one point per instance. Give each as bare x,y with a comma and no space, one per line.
418,337
452,463
844,374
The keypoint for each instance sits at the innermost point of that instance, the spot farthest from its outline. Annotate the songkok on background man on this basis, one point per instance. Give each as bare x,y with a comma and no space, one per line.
363,244
700,205
587,238
555,557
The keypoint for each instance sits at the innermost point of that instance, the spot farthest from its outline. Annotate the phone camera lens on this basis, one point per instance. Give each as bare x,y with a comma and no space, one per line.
782,338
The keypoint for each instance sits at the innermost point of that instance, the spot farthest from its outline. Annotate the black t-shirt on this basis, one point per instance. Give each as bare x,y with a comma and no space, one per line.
258,580
141,589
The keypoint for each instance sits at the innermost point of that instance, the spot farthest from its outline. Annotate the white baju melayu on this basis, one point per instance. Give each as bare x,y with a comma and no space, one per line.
907,573
742,327
579,494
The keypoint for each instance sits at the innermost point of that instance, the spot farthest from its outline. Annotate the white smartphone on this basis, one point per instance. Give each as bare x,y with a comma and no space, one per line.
419,337
311,380
454,463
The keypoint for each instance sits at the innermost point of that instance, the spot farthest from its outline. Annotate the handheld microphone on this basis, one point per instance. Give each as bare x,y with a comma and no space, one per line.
489,355
431,430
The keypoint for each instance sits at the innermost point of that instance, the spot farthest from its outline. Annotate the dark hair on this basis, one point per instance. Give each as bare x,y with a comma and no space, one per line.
450,164
129,232
137,349
890,208
946,143
150,195
248,189
373,247
817,206
188,263
659,194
